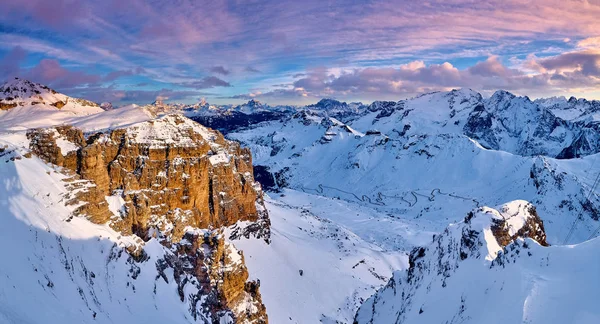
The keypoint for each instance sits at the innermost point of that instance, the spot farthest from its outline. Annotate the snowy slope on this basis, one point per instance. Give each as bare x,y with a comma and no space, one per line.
339,268
420,176
355,189
25,104
468,274
70,270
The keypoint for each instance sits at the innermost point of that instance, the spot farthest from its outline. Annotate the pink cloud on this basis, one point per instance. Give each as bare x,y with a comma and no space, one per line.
416,77
50,72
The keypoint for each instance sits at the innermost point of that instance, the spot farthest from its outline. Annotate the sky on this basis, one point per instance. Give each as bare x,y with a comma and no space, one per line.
296,52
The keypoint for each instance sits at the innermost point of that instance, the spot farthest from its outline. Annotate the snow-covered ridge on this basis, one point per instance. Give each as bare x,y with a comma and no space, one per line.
173,129
24,104
471,274
20,92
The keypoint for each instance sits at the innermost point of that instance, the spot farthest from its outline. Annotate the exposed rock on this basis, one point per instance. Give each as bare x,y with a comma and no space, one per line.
173,177
59,104
171,173
493,236
7,106
213,274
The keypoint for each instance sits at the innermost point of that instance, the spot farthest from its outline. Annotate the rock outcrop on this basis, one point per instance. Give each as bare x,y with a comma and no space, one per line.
169,173
175,181
212,278
487,239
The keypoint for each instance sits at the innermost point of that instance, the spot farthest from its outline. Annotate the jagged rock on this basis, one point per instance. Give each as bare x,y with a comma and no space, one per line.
171,173
214,275
492,236
172,177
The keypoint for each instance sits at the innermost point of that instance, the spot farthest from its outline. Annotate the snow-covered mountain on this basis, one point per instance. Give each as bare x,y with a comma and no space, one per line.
22,103
337,109
493,267
227,118
139,214
119,217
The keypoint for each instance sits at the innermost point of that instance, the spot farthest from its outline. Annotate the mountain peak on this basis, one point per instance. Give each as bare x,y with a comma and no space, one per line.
21,92
499,235
22,88
327,103
253,103
502,94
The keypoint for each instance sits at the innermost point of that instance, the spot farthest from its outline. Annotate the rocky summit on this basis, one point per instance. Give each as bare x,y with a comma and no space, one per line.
159,176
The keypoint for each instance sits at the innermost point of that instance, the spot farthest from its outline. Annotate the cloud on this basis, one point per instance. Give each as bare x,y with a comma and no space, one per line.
111,94
51,72
251,70
591,42
563,72
587,62
296,93
117,74
205,83
220,70
56,13
492,67
174,40
10,63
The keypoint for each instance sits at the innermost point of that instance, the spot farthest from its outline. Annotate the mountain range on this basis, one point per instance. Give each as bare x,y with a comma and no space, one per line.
443,208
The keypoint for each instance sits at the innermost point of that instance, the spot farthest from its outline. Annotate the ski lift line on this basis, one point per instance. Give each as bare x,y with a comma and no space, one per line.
572,229
594,233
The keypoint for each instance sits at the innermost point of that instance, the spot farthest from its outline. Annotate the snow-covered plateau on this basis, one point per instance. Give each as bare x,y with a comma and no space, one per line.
444,208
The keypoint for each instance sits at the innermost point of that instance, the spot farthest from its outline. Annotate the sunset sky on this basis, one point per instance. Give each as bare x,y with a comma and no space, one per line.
296,52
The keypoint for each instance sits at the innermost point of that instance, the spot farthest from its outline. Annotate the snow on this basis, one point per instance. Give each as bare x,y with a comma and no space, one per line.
219,158
338,267
421,175
527,283
49,258
65,145
404,189
353,208
169,130
34,106
116,203
119,117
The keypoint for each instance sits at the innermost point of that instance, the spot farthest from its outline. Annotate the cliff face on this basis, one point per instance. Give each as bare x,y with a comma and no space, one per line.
168,174
166,179
211,277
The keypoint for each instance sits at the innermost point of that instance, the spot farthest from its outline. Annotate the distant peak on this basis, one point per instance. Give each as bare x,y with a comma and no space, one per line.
503,94
254,102
328,103
18,84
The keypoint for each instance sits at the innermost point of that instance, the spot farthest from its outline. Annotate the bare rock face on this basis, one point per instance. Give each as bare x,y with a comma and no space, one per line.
177,182
170,173
212,273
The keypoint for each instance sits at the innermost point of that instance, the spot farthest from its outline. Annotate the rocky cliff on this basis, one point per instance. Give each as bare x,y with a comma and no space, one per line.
212,279
165,179
167,174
